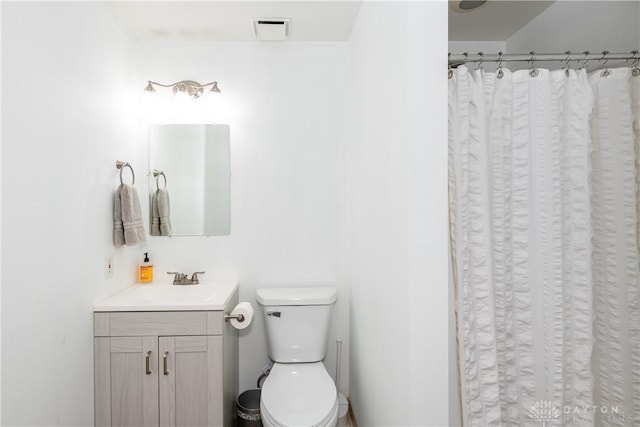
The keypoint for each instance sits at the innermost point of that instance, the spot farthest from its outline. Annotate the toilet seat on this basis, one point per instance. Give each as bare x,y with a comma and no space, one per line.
299,395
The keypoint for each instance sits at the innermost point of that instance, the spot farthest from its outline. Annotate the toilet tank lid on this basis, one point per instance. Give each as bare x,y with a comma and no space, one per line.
296,296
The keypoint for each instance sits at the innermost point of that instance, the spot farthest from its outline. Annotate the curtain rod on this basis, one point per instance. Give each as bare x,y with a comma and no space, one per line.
457,59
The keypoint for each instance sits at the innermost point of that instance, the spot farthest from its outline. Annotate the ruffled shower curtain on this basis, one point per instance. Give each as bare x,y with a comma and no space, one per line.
543,197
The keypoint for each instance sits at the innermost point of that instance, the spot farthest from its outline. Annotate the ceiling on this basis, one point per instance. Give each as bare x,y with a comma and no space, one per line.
497,20
233,20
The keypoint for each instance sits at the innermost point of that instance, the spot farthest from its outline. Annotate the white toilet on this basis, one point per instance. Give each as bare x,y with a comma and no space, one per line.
298,392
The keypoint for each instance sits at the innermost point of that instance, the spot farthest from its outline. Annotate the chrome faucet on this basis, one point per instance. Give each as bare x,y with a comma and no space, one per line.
194,277
182,279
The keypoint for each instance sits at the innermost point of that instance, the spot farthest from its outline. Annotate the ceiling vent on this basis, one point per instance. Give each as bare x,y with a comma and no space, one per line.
272,29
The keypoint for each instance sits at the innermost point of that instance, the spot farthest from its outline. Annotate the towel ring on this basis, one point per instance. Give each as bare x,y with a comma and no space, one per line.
121,165
159,174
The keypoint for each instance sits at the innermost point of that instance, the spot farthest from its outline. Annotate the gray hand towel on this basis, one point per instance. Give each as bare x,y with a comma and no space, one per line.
162,198
118,226
131,215
155,217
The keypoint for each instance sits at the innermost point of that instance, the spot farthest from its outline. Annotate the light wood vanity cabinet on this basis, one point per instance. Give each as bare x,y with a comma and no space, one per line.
165,369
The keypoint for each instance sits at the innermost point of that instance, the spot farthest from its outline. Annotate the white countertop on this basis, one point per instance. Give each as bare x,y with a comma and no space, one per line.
164,296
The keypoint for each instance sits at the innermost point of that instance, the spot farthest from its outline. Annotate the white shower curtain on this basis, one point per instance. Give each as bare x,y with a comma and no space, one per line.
614,183
543,206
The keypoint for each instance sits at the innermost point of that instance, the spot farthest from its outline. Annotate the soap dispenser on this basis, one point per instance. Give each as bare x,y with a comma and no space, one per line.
146,270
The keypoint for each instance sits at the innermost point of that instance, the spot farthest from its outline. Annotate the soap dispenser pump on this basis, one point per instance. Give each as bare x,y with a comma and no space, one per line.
146,270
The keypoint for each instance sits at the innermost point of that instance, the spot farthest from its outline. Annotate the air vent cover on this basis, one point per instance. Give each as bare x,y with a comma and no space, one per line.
272,29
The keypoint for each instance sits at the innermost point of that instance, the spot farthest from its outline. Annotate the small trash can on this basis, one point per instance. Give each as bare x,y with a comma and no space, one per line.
248,409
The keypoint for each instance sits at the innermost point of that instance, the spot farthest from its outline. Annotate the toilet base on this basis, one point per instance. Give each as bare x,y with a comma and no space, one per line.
268,422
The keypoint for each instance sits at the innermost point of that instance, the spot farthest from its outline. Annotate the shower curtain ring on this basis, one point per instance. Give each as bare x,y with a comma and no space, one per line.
500,73
450,70
566,62
635,71
479,66
586,59
605,72
533,71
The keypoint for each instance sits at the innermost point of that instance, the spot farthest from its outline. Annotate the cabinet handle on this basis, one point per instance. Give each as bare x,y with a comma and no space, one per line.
147,362
164,361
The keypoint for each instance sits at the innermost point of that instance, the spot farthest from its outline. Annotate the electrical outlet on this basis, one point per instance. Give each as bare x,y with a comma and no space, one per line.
108,266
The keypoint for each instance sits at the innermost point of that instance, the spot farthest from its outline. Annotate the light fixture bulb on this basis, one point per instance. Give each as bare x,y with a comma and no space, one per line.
215,89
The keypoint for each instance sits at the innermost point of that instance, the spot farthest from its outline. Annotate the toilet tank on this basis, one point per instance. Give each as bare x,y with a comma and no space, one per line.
297,322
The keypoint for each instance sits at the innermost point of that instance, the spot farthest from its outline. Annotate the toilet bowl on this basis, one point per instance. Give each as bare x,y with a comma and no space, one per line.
298,391
299,395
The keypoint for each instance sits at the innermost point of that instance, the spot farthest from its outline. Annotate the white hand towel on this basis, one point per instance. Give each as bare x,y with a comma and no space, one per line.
162,198
131,215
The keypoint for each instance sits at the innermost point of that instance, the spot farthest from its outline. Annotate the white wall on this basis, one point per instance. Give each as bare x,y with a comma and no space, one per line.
285,106
0,223
473,47
427,212
397,238
64,85
581,25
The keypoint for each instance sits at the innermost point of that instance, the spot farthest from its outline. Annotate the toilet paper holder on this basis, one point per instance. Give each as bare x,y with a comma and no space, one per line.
238,317
241,315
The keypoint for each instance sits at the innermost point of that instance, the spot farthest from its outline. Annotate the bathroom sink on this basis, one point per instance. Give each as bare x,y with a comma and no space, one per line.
168,297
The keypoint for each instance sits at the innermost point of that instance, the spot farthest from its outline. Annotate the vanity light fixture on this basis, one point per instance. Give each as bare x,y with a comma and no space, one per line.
188,87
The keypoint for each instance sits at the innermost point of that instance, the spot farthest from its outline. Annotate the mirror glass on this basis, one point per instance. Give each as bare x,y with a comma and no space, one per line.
191,162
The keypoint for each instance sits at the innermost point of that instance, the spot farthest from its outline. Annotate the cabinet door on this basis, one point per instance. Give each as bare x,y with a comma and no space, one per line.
190,381
126,381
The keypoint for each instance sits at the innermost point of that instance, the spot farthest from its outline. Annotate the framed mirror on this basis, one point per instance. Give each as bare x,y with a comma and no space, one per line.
189,175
